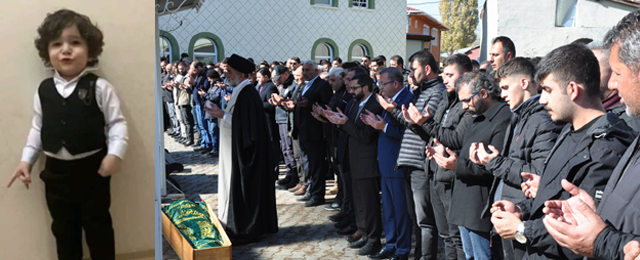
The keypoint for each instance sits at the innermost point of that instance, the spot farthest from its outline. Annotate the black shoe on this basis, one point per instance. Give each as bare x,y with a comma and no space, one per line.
205,151
395,257
314,202
198,149
343,223
383,254
338,217
347,231
305,197
195,145
333,207
284,181
214,154
358,243
188,143
369,248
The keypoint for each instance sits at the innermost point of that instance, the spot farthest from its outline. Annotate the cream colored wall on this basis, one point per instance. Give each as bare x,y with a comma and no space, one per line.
128,63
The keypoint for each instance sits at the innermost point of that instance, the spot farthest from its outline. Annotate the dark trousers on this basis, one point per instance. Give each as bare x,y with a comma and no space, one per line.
512,249
441,202
366,202
421,211
286,145
346,187
397,223
187,120
316,167
171,112
79,198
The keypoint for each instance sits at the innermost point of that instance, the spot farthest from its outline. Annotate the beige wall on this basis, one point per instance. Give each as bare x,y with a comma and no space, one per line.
128,63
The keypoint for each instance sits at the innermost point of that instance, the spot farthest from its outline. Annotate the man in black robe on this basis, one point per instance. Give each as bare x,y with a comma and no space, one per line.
246,194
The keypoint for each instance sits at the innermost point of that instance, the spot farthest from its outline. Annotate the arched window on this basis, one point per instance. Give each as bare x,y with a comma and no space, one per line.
324,51
205,50
165,48
359,51
434,33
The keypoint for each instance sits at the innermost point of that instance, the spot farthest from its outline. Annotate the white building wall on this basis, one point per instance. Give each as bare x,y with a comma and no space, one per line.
531,24
282,29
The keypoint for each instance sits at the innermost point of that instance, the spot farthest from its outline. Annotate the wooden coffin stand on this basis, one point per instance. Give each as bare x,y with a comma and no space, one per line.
184,249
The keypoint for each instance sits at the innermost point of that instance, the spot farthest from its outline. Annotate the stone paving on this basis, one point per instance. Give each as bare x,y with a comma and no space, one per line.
304,233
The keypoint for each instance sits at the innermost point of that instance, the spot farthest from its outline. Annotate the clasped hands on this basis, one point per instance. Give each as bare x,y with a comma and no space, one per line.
443,156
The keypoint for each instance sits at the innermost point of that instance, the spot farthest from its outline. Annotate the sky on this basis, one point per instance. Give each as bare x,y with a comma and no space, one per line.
431,7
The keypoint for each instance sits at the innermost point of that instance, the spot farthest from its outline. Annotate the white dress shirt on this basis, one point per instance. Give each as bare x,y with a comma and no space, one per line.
109,104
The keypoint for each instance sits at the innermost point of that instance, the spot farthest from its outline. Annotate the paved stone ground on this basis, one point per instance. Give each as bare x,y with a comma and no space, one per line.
304,233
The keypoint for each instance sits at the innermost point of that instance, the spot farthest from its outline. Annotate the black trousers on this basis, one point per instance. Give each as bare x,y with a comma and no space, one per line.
187,120
286,145
79,198
317,167
366,202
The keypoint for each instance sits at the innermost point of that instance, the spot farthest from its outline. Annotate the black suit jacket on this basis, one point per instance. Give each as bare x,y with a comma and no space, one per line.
362,140
308,127
269,88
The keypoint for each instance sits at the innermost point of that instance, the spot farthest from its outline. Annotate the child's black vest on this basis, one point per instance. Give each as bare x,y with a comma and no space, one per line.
75,122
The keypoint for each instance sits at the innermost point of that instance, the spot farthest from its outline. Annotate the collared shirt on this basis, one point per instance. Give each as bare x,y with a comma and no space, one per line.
308,85
109,104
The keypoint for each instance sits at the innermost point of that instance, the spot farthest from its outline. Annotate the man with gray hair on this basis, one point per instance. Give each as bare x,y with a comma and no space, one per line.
610,97
610,231
310,132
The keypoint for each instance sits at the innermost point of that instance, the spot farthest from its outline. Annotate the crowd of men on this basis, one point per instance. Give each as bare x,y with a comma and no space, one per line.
517,158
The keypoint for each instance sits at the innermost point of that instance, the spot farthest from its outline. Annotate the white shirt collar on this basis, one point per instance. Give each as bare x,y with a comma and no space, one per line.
396,95
365,100
59,79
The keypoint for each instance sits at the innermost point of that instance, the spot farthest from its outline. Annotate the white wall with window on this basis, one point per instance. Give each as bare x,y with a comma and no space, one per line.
254,35
537,27
205,50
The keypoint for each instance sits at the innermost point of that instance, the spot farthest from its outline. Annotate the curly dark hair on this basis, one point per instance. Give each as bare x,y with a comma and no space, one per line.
56,22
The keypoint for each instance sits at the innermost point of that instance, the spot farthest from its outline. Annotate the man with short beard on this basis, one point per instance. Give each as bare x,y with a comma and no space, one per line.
586,152
589,235
167,98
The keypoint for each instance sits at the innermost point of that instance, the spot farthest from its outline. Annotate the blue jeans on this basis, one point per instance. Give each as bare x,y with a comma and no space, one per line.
214,131
205,142
476,245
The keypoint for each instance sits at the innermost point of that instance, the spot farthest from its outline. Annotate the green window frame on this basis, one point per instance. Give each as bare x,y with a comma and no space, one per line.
371,4
328,41
216,40
334,3
175,48
363,42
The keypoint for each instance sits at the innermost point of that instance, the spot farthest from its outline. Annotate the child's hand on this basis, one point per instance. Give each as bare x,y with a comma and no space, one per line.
23,172
110,165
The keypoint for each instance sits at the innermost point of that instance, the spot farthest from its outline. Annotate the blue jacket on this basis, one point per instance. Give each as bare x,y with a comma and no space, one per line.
389,141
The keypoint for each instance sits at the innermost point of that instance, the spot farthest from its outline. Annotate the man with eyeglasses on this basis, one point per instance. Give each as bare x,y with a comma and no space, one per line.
479,96
424,73
397,223
362,156
366,61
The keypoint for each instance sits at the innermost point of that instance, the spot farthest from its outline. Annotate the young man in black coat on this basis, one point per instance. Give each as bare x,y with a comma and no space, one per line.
585,154
618,237
530,136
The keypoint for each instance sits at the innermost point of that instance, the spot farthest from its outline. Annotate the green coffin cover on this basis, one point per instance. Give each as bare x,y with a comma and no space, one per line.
192,219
